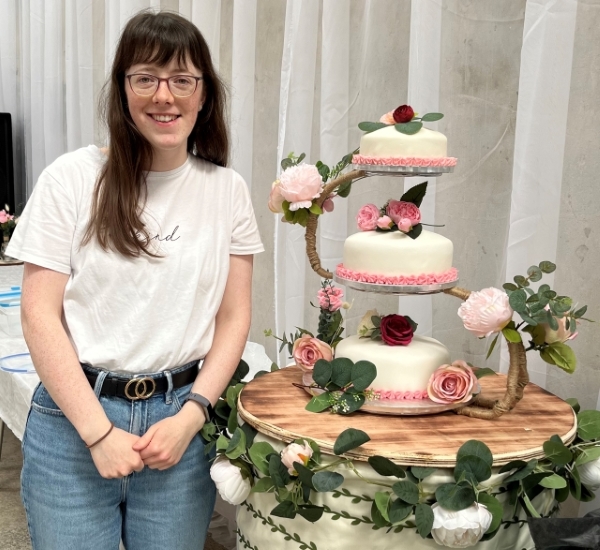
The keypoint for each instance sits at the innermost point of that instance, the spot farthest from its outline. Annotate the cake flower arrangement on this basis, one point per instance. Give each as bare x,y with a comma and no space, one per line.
455,514
548,321
295,192
403,119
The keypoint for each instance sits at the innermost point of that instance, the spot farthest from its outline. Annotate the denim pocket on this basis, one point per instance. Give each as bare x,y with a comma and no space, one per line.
180,395
43,403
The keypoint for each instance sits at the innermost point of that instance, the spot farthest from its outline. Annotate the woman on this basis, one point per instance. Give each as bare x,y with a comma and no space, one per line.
136,304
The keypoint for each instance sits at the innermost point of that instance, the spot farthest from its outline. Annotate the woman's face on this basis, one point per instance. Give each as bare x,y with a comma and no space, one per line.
164,119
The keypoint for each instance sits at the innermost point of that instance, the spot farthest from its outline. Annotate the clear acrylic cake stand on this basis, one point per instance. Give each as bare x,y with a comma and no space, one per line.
403,171
398,290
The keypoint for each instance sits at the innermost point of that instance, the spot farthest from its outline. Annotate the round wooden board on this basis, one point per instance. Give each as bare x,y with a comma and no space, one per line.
275,407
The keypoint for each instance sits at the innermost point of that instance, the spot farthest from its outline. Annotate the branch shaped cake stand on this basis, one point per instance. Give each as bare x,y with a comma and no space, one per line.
517,376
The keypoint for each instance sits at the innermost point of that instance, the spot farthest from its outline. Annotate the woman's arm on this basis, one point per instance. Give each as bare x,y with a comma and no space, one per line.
163,444
58,367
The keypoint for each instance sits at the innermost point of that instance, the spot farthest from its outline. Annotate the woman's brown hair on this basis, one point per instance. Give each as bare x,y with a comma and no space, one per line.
119,195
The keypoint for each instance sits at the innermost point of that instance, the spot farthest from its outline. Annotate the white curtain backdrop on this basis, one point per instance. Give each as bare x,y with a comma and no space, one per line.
518,84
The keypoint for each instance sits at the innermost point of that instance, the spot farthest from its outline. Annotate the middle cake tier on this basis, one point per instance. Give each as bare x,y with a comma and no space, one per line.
402,371
395,258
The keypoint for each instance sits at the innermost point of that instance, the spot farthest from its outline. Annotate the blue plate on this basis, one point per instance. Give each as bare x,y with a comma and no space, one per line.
21,362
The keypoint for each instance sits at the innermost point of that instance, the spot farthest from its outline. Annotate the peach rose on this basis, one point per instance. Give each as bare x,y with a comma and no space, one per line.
276,199
296,453
561,335
307,350
486,311
402,210
388,118
367,217
300,184
452,383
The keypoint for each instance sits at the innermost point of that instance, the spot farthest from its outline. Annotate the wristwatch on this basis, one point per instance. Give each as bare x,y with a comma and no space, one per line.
209,412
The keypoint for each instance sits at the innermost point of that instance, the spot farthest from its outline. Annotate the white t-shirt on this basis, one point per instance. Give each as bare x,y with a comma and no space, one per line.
145,314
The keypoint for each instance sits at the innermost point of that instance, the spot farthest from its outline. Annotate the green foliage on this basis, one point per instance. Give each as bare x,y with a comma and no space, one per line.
385,467
349,439
415,194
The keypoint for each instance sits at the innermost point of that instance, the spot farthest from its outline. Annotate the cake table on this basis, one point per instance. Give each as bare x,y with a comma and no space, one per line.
428,441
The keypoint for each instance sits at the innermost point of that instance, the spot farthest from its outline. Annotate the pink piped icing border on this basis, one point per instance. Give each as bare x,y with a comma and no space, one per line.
390,395
402,280
404,161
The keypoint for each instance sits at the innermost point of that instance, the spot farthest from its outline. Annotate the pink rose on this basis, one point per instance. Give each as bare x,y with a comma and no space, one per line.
299,185
486,312
307,350
385,222
330,298
452,383
276,198
388,118
4,216
367,217
328,205
295,452
399,210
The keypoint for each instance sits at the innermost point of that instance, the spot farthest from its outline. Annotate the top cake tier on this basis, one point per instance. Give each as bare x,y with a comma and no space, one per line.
389,147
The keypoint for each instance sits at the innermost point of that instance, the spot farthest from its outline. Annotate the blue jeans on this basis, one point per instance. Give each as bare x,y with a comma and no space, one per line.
70,506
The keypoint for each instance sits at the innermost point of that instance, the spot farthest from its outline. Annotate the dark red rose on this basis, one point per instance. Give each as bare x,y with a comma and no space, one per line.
396,330
404,113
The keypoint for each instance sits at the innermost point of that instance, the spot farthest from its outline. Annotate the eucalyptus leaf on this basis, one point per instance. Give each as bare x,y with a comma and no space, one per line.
344,189
480,373
580,312
349,439
278,472
407,491
510,287
259,453
587,455
371,126
553,482
528,319
517,300
376,516
557,453
327,481
547,267
322,372
350,403
263,485
237,444
385,467
534,273
473,468
341,371
363,374
423,519
455,496
520,280
431,117
319,403
522,473
588,425
408,128
421,473
476,448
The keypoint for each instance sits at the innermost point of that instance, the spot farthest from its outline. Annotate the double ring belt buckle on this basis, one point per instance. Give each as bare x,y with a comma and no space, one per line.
142,388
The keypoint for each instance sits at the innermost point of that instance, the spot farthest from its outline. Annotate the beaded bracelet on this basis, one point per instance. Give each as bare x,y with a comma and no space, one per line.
112,425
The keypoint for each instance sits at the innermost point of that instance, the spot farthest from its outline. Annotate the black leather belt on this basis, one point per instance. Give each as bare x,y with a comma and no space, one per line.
142,387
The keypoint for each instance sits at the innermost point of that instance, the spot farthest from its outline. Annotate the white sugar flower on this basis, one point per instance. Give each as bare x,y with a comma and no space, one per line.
460,529
232,486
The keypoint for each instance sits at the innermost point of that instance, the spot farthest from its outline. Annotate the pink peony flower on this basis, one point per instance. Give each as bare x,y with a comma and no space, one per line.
330,298
328,205
486,312
295,452
308,350
299,185
399,211
276,198
452,383
561,335
5,217
385,222
367,217
388,118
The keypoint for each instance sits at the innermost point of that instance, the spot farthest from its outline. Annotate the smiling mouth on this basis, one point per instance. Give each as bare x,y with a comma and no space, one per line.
164,118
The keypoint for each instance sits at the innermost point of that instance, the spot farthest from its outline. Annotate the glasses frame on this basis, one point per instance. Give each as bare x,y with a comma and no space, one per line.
196,78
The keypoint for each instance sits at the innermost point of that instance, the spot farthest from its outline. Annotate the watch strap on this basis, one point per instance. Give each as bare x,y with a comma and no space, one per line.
204,403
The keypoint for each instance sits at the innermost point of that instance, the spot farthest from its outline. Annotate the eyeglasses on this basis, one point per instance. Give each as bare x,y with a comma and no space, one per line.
181,85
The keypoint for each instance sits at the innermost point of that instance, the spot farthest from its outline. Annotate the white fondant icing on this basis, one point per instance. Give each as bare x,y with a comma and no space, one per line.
388,142
399,368
395,253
